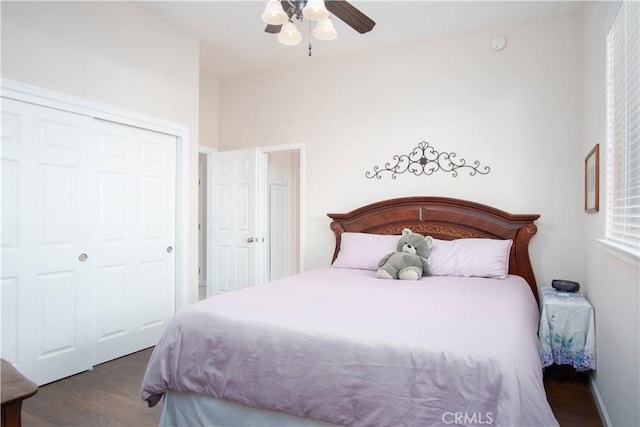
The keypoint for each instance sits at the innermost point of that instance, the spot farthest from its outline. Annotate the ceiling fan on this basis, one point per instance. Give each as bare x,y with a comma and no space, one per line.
279,14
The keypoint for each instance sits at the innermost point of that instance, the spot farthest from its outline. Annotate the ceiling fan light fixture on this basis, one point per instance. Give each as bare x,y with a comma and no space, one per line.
315,10
324,30
289,34
274,14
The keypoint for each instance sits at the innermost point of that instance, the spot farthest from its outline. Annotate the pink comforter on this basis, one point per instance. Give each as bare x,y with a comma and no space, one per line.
341,346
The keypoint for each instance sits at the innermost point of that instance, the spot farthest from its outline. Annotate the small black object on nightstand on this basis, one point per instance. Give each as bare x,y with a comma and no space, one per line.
565,285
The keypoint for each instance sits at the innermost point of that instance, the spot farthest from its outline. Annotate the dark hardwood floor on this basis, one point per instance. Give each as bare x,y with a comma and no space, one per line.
108,396
104,396
570,397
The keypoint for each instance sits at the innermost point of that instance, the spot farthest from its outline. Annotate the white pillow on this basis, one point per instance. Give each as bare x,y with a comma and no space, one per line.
470,258
363,251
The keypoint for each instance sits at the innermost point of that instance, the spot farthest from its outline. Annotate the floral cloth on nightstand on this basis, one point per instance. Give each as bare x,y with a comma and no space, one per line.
566,335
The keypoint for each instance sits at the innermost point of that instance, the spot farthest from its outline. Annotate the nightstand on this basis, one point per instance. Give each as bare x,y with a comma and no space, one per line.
566,335
15,389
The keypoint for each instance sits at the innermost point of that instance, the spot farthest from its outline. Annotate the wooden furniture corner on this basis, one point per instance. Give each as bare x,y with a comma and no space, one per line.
15,388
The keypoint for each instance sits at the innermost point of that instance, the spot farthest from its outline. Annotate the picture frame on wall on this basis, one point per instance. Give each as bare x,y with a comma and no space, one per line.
592,180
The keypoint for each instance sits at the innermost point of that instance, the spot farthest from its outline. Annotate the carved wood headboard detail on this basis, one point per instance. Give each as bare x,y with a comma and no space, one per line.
447,219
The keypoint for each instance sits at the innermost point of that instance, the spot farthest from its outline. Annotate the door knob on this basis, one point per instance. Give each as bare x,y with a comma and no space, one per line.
251,240
169,249
83,257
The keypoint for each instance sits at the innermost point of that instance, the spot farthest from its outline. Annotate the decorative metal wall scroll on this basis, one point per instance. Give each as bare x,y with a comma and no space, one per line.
425,160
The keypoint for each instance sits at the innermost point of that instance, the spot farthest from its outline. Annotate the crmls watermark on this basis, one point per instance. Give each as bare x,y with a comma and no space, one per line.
468,418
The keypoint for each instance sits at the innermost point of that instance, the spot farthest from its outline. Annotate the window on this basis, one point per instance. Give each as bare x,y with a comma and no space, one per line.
623,130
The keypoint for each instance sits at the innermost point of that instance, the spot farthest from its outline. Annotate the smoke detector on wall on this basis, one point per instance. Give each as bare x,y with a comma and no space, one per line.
498,42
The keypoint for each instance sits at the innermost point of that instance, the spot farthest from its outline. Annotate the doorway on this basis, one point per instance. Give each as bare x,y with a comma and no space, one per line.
254,221
204,159
202,225
282,214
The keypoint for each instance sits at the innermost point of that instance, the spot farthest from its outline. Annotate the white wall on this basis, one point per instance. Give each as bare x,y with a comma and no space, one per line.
209,110
611,284
113,53
517,111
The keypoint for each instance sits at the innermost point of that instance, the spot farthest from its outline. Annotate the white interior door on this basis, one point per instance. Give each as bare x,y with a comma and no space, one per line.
283,213
279,247
46,226
234,233
134,261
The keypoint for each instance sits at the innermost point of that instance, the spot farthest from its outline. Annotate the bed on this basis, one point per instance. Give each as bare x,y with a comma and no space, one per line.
337,346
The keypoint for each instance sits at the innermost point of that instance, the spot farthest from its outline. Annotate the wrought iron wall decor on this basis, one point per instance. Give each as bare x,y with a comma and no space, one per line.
426,160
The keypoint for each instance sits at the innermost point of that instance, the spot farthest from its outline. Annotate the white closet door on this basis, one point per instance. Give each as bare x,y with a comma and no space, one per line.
234,237
46,226
134,262
88,228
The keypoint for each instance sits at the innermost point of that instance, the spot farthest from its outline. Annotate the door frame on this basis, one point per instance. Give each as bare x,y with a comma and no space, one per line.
209,151
18,91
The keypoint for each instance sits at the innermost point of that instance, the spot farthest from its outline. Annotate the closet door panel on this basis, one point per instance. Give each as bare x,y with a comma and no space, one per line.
46,157
135,263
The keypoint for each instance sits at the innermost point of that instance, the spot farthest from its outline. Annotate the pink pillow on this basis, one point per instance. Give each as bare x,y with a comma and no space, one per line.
470,258
363,251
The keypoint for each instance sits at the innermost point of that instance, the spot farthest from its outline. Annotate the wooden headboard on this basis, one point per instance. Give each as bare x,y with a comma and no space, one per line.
446,219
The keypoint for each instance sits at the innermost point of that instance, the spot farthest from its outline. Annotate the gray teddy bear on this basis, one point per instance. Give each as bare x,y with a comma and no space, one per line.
409,262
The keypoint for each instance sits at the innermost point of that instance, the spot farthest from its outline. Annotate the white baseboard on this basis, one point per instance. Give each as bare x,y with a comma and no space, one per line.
602,410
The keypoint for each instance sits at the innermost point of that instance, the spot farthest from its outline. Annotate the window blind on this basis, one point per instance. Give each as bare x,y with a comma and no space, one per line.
623,129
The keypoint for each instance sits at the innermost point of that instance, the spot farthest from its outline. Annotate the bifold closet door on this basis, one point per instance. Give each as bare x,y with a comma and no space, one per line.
88,228
46,229
134,262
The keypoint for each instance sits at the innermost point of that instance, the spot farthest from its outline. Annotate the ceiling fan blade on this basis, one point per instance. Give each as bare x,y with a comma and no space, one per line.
272,29
350,15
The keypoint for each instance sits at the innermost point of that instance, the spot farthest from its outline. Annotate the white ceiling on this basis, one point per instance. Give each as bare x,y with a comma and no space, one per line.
233,40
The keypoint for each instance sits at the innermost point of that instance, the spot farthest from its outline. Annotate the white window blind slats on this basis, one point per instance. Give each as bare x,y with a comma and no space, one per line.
623,134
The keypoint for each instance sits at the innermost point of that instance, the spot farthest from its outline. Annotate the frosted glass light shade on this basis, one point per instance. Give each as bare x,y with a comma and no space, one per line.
289,34
315,10
324,30
274,14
